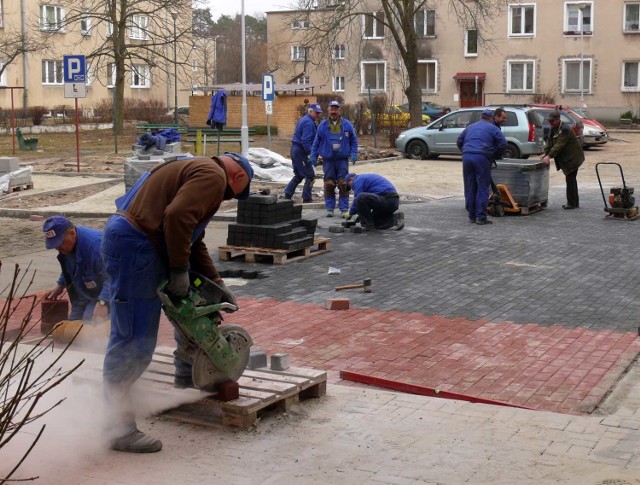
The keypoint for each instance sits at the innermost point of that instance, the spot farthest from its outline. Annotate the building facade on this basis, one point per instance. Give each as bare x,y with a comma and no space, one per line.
62,30
573,52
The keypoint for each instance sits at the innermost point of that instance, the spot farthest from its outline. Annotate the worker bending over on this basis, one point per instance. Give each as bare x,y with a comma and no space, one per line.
375,201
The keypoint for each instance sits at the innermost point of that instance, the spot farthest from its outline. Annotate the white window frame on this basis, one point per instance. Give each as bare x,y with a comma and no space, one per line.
423,30
630,89
138,27
631,26
1,14
363,86
338,52
90,76
466,43
338,84
376,25
109,28
85,24
146,76
3,76
303,80
523,9
427,89
298,53
194,65
58,14
58,68
529,65
111,76
299,24
571,29
586,88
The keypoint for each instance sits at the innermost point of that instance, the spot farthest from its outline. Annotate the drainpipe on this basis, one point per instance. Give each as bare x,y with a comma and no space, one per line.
25,63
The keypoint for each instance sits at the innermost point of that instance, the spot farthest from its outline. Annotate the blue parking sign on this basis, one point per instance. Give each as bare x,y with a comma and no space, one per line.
75,69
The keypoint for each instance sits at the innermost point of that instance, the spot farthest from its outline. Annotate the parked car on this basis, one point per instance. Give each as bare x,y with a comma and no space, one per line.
394,115
567,117
522,129
425,117
594,132
433,110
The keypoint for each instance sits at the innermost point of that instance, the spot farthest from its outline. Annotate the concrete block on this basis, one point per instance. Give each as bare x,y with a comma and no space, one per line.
336,229
173,148
280,361
257,359
228,391
336,304
52,311
9,164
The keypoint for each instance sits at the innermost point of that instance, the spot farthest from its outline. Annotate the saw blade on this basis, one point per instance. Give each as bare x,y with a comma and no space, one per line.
206,376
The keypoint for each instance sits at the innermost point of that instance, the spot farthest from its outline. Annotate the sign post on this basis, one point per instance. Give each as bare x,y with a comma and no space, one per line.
75,86
268,95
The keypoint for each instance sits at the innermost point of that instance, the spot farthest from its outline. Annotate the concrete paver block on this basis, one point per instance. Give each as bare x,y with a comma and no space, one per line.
9,164
36,217
280,361
257,359
336,304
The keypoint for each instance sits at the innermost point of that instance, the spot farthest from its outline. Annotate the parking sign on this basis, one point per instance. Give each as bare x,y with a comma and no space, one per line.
268,89
75,69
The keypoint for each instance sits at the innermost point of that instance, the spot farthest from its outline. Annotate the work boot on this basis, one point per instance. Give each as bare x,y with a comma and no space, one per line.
482,222
182,382
285,197
330,213
136,442
345,215
398,221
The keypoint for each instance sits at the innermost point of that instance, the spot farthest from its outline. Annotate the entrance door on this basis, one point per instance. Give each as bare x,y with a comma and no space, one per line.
468,95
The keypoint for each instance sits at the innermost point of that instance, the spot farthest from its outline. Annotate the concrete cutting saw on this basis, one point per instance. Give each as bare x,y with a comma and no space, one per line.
217,353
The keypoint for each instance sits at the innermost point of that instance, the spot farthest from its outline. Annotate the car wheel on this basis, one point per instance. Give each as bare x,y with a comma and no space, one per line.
511,151
417,149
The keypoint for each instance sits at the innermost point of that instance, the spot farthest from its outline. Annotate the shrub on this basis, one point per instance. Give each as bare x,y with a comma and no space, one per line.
627,115
262,130
103,111
36,113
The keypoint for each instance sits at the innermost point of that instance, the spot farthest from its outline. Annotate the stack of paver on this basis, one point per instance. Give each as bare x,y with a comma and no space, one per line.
12,177
527,180
265,221
144,160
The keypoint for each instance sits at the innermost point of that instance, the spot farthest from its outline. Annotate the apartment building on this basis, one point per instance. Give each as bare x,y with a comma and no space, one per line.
41,72
533,47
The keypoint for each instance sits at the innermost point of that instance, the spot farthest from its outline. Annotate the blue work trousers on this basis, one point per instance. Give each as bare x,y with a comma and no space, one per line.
302,170
335,170
476,170
376,210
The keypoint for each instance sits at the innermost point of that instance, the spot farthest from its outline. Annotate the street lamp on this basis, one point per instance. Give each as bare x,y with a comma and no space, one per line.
175,68
581,7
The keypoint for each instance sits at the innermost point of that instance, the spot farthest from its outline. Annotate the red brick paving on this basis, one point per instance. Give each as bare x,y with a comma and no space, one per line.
551,368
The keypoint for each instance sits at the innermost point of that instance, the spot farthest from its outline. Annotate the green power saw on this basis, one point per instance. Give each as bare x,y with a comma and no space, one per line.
217,353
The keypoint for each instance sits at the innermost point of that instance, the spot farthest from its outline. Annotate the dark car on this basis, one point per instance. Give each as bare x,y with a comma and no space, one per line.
433,110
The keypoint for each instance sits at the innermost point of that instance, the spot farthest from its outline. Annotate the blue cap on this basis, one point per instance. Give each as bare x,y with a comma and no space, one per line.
335,102
349,177
315,107
54,229
487,113
246,165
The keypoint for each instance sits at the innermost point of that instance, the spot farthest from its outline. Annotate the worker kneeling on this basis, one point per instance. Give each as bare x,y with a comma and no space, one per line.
375,201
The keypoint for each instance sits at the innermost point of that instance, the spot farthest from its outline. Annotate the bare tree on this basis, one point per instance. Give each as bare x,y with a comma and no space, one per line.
24,384
335,22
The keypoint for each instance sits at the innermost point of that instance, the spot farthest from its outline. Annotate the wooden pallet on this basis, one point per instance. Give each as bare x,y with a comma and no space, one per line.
276,256
262,391
533,208
19,188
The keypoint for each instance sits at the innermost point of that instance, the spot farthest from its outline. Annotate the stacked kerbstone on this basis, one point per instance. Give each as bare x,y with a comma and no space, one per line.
135,166
264,221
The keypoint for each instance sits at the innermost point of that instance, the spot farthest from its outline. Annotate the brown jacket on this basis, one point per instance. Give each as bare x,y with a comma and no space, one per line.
565,148
172,202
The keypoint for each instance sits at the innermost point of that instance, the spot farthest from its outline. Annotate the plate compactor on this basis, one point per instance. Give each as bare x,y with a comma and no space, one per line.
621,203
217,353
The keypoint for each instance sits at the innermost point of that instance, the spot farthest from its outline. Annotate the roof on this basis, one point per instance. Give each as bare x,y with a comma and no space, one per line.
470,76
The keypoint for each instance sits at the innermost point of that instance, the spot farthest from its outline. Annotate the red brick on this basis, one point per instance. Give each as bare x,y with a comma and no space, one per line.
36,217
336,304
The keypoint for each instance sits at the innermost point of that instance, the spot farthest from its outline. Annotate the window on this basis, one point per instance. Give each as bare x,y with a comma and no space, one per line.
111,75
298,53
373,75
632,17
571,76
471,43
338,83
89,78
578,18
85,24
425,23
194,65
138,27
1,14
520,76
458,120
427,76
630,80
300,24
3,76
303,80
51,17
140,76
373,25
52,72
522,20
109,28
338,51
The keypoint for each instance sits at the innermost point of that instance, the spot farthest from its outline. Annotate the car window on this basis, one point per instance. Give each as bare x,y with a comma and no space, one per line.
512,119
458,120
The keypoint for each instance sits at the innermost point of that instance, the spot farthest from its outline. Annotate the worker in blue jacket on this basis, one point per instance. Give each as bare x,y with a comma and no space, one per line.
336,142
480,143
375,201
303,137
83,274
217,116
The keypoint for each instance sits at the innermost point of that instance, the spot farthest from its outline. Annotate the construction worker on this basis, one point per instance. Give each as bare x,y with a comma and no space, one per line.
82,274
375,201
480,143
157,234
336,142
303,137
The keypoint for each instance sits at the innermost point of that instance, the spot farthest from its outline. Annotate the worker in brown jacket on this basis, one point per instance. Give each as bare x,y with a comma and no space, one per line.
565,148
157,234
